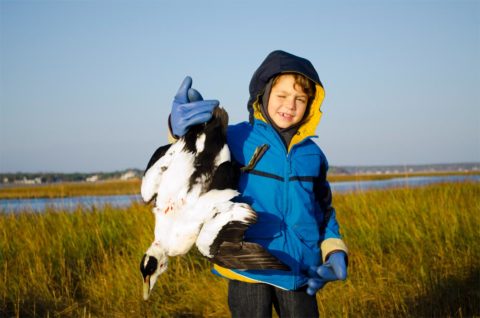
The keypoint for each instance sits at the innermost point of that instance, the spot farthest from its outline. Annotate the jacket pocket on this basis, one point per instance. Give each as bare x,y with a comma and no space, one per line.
309,235
308,232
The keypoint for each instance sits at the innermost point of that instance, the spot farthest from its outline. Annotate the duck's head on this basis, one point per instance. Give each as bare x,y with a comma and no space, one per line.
153,264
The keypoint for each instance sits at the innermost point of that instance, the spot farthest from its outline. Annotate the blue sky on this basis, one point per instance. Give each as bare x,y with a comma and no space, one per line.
87,85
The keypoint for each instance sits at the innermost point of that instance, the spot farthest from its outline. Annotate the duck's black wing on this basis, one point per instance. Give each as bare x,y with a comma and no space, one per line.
234,253
221,240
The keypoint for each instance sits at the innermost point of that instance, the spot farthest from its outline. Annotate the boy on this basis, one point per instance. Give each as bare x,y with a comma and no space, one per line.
285,183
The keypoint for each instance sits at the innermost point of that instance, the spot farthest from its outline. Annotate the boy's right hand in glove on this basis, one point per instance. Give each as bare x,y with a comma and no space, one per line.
189,108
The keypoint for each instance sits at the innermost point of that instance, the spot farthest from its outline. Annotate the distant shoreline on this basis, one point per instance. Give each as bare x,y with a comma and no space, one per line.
345,172
132,186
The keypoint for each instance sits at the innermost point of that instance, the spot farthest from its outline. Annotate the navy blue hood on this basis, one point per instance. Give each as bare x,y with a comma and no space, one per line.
275,63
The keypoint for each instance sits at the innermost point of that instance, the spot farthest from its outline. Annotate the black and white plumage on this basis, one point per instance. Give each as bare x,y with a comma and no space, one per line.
192,183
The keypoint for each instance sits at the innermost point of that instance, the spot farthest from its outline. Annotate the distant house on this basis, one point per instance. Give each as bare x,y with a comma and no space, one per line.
128,175
93,178
29,181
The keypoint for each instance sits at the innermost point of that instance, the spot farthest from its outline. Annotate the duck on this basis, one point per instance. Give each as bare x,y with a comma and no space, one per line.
193,184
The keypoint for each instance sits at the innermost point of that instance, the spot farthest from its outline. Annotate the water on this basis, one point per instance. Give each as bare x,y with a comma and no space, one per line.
70,203
347,186
122,201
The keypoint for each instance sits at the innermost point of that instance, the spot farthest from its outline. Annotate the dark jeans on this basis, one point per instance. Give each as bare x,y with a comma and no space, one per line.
256,300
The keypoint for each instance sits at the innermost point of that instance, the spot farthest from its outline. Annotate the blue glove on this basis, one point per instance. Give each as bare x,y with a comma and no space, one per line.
335,268
189,108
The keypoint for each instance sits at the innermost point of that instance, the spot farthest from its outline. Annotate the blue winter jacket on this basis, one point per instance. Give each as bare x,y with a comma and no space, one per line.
287,187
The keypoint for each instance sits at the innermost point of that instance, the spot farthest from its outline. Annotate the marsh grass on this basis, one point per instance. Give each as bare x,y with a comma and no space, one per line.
413,252
71,189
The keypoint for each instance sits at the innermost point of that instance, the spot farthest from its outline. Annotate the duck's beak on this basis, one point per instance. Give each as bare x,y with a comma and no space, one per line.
146,287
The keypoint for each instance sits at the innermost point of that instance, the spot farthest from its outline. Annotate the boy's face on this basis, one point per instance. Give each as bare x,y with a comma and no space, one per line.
287,102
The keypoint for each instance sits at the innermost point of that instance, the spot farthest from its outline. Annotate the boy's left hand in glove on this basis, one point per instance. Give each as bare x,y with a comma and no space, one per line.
335,268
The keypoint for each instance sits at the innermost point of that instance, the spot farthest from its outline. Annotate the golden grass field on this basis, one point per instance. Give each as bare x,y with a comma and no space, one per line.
413,252
71,189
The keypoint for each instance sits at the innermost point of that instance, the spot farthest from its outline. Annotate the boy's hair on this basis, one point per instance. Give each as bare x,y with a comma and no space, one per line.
305,83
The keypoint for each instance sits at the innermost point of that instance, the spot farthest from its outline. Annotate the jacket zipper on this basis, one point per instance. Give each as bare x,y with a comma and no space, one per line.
286,175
